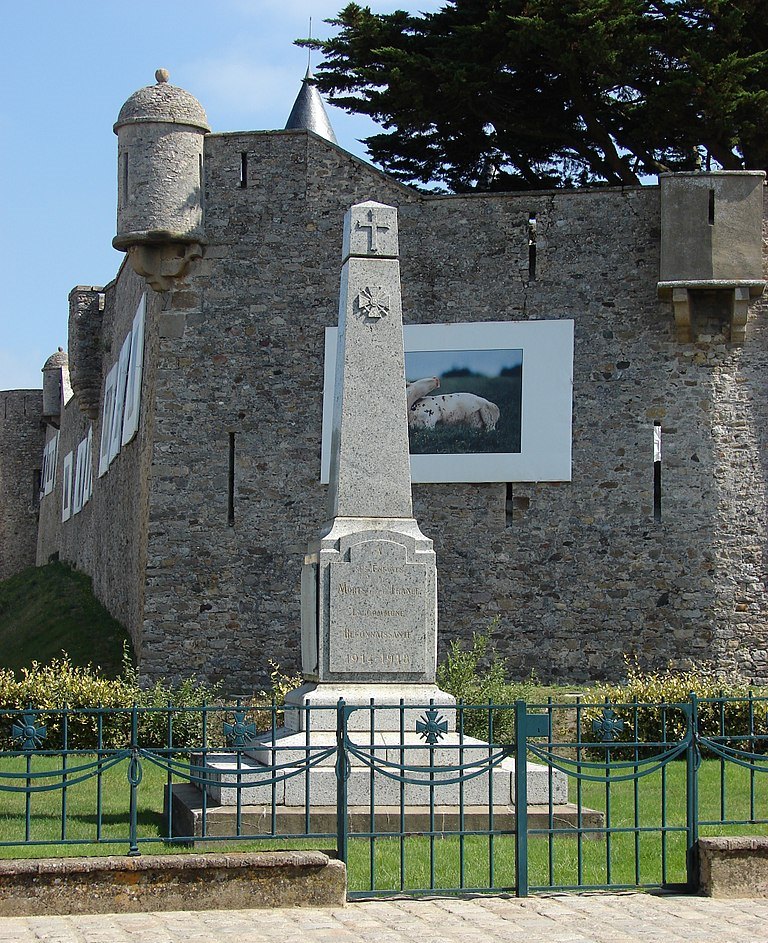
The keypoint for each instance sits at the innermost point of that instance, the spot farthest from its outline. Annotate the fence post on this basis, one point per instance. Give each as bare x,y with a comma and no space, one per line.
342,775
134,778
692,797
521,799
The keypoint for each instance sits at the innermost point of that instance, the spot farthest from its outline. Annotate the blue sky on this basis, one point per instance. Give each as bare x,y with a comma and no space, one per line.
66,68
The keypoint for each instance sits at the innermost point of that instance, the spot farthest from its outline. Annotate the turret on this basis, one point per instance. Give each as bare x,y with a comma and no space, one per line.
160,218
56,388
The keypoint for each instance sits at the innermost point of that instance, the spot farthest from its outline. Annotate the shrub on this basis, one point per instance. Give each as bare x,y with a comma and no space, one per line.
96,704
645,702
478,675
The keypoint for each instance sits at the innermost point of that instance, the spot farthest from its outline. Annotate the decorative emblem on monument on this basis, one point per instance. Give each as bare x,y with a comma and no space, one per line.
373,302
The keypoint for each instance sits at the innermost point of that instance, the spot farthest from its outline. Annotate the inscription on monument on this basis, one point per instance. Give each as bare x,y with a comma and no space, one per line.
378,613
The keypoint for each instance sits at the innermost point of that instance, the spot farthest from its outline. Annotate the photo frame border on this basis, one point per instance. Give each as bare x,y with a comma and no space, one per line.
547,400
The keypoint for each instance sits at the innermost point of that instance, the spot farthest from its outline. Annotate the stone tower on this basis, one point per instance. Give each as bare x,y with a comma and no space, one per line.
56,389
160,214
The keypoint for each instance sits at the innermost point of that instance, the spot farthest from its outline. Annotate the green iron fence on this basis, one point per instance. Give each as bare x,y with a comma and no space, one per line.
414,799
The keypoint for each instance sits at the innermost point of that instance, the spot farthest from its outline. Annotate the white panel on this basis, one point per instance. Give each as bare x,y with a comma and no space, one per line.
66,488
116,434
44,470
107,412
88,472
133,387
52,450
546,406
657,443
80,464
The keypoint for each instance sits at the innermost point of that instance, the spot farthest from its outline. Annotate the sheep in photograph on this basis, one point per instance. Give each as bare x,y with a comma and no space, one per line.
414,391
454,409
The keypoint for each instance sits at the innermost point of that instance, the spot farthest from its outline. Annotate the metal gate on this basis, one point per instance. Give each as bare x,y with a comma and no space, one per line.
422,804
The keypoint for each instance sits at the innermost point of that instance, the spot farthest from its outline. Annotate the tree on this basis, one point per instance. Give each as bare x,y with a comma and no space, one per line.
520,94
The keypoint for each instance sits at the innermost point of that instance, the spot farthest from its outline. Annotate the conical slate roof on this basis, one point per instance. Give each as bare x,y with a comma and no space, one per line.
308,112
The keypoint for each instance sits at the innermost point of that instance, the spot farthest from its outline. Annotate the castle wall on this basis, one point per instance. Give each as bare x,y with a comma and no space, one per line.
107,538
21,447
579,573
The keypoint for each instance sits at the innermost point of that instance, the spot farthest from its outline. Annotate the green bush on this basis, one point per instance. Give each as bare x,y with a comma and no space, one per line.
96,704
478,675
724,708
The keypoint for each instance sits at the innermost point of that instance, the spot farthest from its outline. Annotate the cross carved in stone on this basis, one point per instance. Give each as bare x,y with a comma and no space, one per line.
374,230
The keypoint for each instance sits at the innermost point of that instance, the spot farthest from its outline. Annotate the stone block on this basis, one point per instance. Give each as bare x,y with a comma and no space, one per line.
255,779
152,883
733,867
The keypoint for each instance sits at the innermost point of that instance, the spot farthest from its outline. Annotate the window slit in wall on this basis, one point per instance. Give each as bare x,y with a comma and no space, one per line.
514,507
657,471
125,176
531,245
243,170
231,482
711,207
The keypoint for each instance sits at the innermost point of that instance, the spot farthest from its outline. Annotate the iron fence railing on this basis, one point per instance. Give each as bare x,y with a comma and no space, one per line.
414,799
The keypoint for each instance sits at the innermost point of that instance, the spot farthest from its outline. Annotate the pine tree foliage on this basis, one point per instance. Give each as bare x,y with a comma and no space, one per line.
522,94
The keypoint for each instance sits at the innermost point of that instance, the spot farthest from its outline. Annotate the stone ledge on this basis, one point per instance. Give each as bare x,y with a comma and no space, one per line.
733,867
221,820
35,887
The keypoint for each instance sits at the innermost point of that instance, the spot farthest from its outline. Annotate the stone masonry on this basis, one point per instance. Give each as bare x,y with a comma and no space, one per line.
577,575
21,446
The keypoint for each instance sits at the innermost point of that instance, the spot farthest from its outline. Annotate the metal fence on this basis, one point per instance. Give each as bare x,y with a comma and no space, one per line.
413,799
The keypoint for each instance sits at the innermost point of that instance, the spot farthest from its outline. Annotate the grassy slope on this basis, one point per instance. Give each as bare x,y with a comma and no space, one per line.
47,610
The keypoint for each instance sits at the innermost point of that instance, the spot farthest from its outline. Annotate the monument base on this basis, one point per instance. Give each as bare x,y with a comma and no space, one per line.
189,814
309,702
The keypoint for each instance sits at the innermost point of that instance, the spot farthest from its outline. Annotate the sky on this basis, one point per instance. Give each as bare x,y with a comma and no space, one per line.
66,67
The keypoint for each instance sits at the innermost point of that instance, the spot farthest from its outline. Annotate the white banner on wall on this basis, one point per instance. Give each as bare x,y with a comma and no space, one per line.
107,414
88,473
116,435
80,462
66,488
133,386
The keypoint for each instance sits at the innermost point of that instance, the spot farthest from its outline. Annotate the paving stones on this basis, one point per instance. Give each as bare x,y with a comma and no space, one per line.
556,918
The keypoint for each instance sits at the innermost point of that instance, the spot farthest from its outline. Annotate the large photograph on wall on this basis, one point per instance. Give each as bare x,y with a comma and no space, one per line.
487,401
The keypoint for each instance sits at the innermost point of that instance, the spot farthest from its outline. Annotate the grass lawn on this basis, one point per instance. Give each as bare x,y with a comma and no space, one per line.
626,858
49,609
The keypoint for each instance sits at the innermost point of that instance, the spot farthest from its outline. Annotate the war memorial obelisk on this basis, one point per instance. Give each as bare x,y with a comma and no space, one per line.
369,581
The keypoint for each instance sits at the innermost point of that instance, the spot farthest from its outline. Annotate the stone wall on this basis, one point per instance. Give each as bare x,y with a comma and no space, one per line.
196,535
579,574
21,450
107,538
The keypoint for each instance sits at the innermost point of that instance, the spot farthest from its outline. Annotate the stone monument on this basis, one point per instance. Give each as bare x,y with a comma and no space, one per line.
369,596
369,581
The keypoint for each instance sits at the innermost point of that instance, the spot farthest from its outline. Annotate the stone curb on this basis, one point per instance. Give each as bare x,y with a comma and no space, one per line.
171,882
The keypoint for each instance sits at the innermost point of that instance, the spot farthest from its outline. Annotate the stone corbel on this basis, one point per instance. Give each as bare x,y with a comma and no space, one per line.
739,314
743,294
681,305
162,265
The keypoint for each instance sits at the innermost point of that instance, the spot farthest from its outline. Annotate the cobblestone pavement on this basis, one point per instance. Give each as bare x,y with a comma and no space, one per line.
573,918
